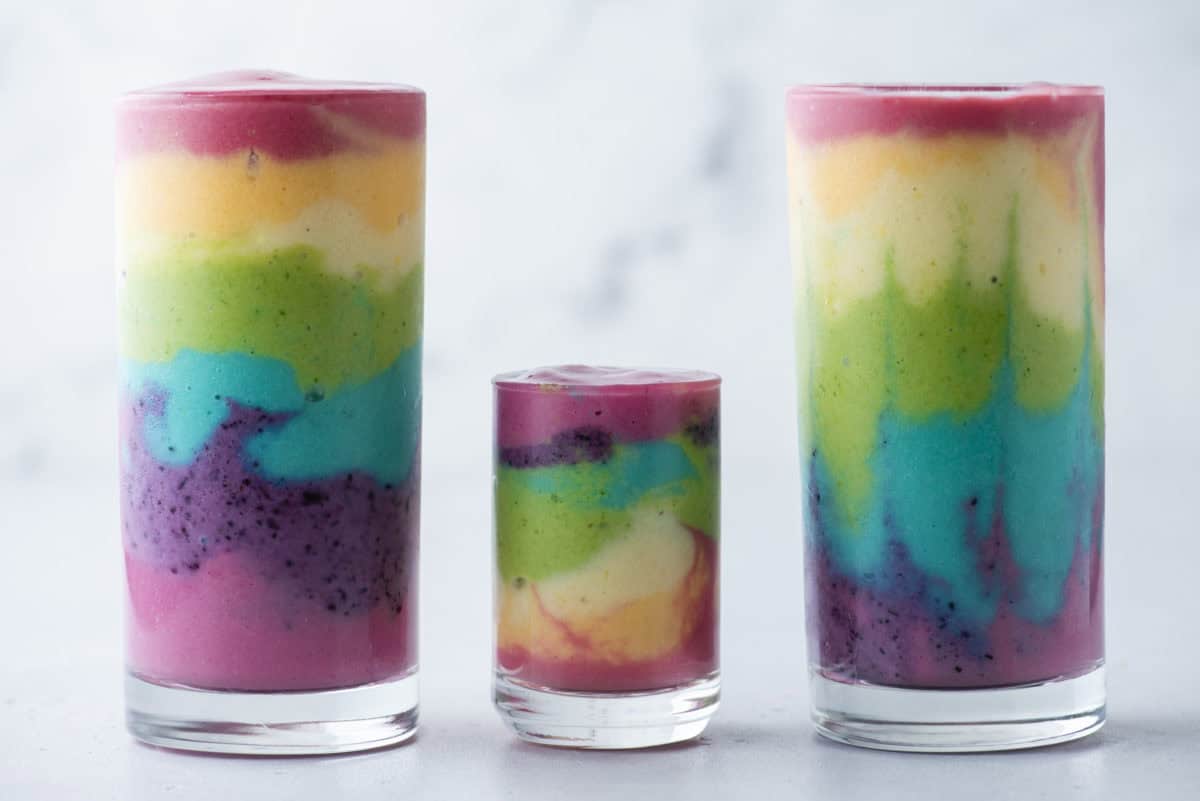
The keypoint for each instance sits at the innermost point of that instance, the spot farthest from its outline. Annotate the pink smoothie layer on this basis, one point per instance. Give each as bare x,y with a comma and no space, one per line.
824,112
227,627
634,404
285,116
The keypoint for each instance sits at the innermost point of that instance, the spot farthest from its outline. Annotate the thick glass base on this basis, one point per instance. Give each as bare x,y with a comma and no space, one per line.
607,720
272,723
897,719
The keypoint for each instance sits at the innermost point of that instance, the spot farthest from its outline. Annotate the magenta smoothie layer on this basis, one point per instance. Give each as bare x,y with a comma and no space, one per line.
286,116
826,113
640,404
947,245
606,525
270,238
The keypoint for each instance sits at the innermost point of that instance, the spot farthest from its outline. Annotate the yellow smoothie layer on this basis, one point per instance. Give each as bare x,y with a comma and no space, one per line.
921,202
357,208
638,598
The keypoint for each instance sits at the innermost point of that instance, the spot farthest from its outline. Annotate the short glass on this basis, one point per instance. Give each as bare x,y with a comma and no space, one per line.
607,510
949,282
270,264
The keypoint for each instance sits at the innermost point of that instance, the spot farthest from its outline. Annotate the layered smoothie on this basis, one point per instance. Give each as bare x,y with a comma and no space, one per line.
948,253
606,515
270,238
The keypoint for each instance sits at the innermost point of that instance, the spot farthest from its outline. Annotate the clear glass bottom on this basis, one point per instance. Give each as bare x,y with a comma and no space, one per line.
897,719
607,720
272,723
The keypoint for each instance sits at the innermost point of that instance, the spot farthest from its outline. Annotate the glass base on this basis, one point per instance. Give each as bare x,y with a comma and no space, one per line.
897,719
607,720
272,723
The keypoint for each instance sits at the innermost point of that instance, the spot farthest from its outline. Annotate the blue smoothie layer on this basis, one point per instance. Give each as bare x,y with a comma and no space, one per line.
370,427
942,482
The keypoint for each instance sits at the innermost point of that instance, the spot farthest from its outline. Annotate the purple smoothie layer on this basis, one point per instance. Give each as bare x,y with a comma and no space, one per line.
901,627
584,444
336,546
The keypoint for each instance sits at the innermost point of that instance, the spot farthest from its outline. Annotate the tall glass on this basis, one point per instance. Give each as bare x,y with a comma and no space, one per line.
948,253
607,513
270,237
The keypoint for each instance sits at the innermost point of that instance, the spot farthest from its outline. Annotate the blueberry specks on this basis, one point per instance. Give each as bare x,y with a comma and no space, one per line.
341,544
313,497
901,627
583,444
703,432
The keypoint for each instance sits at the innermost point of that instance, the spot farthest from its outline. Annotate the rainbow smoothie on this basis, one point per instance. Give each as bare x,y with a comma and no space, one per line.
949,265
607,512
270,238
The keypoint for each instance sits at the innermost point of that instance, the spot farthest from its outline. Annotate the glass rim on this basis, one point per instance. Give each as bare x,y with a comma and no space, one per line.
262,85
655,379
940,89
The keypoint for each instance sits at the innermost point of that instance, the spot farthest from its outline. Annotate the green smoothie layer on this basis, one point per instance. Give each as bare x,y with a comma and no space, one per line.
281,304
553,519
937,357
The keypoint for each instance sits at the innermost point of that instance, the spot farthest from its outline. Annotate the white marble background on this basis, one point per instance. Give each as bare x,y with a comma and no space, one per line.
606,184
